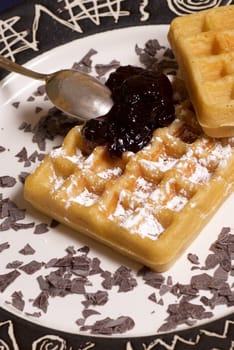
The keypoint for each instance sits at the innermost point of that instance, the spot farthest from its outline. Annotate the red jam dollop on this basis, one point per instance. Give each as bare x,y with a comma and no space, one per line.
143,101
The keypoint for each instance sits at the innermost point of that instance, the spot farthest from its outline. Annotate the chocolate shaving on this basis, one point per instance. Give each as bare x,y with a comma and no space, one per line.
151,57
31,267
109,326
42,301
22,155
7,181
89,312
11,213
31,99
8,278
50,126
27,250
193,258
219,263
152,278
123,278
41,228
38,110
18,301
85,64
16,104
33,314
183,312
14,264
22,226
41,90
23,176
4,246
153,297
98,298
103,69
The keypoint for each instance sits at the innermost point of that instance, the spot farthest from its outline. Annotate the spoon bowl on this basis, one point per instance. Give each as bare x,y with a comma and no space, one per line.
76,93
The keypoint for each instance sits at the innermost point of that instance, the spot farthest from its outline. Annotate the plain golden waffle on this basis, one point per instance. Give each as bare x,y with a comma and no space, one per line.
149,205
203,44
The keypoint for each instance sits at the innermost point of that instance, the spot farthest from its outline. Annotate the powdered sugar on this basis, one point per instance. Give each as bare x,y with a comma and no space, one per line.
85,198
200,175
163,163
109,173
143,223
140,221
177,203
150,198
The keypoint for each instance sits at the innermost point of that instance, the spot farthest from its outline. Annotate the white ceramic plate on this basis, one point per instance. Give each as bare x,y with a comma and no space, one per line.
62,313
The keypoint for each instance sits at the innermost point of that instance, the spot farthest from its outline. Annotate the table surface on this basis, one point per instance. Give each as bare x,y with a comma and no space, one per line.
5,4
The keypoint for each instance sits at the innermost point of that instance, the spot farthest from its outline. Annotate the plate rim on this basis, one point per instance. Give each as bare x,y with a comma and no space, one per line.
125,340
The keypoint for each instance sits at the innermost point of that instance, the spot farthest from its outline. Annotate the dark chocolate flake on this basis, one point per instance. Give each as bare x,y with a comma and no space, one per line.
164,289
7,279
18,301
16,104
50,126
201,282
31,267
42,301
193,258
153,279
23,176
43,283
41,90
85,64
78,286
7,181
31,99
161,302
110,326
41,228
33,314
80,322
5,225
22,226
152,297
27,250
211,261
98,298
70,250
95,267
123,278
16,214
4,246
38,110
89,312
14,264
22,155
107,282
103,69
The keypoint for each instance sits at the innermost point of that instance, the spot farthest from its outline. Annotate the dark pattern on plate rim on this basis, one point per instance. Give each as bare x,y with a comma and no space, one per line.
31,37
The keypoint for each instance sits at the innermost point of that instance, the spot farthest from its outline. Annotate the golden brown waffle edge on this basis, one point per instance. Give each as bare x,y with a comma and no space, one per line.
148,206
203,44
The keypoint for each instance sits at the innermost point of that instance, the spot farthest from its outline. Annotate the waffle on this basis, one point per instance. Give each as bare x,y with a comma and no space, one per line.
203,44
149,205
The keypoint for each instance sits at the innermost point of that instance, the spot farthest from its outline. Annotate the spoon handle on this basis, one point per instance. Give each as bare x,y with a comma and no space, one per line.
14,67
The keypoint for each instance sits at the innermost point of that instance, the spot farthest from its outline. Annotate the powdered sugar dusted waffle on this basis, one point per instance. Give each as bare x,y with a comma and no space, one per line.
149,205
203,44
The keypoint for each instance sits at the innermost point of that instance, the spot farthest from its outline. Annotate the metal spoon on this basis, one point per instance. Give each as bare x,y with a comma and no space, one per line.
76,93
